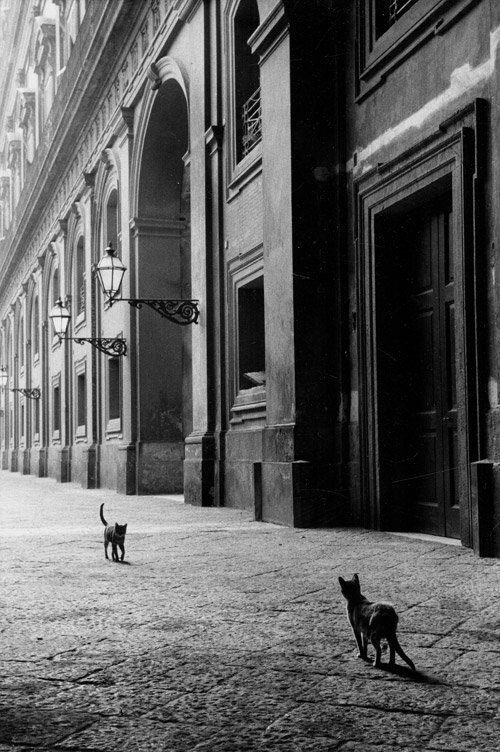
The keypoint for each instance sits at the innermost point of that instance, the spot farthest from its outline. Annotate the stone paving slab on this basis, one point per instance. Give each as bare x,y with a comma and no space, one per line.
226,635
359,724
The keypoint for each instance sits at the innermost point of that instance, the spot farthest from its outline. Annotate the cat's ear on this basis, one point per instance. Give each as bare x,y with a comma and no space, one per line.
341,581
356,579
125,526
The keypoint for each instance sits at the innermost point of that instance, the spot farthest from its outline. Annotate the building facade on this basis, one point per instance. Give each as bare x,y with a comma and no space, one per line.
319,177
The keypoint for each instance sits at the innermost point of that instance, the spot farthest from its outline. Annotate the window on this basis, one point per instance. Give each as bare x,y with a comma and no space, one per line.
248,123
114,389
389,31
20,352
45,63
247,337
81,400
251,335
56,410
56,290
112,232
36,419
35,337
10,355
80,291
47,90
387,12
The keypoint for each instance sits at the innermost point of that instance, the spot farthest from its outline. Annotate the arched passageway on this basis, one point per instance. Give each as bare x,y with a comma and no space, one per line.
162,253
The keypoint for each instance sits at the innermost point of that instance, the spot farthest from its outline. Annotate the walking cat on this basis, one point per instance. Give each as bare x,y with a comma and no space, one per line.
372,622
114,534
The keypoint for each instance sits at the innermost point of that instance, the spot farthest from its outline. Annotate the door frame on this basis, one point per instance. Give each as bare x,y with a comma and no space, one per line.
452,151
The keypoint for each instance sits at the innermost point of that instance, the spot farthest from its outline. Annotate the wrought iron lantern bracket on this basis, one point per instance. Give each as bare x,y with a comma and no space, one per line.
110,271
180,312
107,345
30,393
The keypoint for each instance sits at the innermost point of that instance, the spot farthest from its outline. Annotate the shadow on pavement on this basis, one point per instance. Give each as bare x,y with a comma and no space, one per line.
407,673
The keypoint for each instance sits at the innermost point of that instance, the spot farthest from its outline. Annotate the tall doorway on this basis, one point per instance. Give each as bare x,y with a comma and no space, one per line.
162,248
416,382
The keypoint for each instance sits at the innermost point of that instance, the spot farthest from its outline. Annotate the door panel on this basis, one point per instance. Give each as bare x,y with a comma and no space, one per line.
417,401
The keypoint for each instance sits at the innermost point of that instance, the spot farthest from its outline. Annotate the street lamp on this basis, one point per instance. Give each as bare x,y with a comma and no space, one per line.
110,271
60,317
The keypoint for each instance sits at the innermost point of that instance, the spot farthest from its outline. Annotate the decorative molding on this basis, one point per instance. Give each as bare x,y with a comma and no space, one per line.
154,76
155,13
14,153
152,226
27,99
128,116
89,179
45,42
107,158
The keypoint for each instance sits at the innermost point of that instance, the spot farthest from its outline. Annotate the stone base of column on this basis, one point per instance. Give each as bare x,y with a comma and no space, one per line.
65,474
26,462
200,470
40,465
91,467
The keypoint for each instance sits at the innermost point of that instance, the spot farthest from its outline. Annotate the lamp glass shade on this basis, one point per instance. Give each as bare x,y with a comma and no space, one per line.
60,317
3,377
110,271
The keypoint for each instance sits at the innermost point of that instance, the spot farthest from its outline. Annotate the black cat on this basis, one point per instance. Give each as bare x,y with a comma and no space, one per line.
114,534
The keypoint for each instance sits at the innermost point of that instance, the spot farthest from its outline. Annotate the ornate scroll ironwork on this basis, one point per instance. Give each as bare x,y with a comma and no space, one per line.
252,122
107,345
30,393
179,311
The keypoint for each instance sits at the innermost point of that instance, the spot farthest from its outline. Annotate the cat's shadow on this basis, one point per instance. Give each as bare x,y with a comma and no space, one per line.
122,562
406,673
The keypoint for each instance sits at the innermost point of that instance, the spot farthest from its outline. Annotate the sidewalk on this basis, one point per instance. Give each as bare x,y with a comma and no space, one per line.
228,635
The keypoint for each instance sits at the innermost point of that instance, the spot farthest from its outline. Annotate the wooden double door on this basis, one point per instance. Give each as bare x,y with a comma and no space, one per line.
416,383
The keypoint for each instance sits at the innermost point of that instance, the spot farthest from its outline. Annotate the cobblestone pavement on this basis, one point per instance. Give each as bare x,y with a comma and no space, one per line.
227,635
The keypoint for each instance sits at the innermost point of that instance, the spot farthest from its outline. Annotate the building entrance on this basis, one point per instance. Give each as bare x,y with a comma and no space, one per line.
416,391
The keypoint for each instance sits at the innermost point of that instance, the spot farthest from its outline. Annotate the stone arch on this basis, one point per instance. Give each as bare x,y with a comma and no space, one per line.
107,181
51,263
161,257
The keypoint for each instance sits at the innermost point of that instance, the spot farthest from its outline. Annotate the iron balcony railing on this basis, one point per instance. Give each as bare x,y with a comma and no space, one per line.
252,122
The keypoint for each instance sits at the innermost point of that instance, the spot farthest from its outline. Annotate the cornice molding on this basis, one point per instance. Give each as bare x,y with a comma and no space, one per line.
170,228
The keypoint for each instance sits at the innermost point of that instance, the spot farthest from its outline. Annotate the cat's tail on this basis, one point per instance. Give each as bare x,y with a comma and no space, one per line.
102,516
394,644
